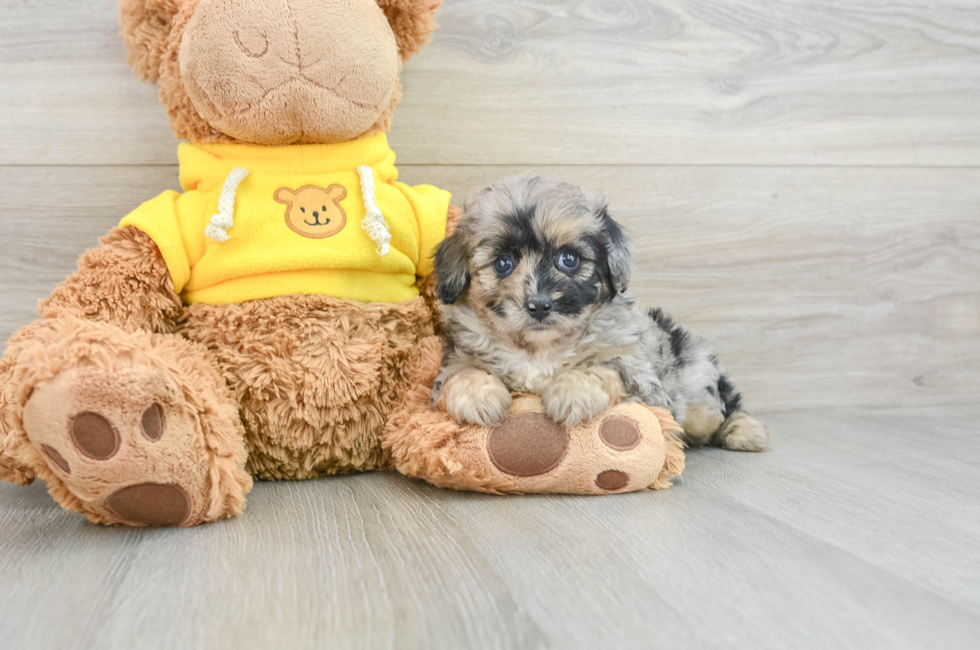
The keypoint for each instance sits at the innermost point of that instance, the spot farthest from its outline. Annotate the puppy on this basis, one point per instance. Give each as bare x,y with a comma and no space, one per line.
533,283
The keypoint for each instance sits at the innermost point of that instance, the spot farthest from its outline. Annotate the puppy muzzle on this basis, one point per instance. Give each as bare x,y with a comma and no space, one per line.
539,307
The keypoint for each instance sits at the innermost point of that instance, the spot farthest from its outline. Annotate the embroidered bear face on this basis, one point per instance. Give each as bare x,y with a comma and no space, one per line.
312,211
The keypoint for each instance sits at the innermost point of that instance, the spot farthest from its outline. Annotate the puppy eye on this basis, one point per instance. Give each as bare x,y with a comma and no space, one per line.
568,261
302,209
324,208
503,265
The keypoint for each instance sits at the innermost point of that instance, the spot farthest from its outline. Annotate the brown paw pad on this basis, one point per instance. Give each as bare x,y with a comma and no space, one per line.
612,479
94,436
620,433
56,458
150,504
527,444
152,423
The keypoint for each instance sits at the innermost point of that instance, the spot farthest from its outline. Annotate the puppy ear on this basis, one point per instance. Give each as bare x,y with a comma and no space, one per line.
146,27
618,255
452,268
412,21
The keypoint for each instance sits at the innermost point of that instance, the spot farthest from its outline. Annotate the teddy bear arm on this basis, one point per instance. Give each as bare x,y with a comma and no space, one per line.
124,282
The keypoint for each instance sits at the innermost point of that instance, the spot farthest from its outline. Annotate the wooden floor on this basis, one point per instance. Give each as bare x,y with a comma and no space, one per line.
802,181
859,529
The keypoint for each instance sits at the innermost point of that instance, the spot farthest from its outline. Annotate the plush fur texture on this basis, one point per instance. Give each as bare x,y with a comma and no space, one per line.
315,377
535,282
124,282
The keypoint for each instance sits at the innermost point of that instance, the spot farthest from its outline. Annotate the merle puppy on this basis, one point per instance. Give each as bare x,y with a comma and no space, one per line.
534,285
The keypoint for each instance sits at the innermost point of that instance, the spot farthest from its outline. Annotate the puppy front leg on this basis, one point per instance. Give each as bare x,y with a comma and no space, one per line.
474,396
577,396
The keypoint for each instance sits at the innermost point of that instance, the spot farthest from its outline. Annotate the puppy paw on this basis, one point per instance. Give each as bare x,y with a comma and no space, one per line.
742,432
574,397
473,396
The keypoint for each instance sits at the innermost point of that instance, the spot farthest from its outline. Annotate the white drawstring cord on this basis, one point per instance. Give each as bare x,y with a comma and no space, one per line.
373,222
217,230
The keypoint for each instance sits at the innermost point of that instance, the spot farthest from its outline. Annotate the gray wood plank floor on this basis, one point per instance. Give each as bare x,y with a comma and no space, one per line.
859,529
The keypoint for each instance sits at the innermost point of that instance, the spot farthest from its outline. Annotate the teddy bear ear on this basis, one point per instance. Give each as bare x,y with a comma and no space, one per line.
412,21
145,29
284,195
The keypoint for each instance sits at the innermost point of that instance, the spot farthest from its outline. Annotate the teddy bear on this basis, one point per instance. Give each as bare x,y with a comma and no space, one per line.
277,319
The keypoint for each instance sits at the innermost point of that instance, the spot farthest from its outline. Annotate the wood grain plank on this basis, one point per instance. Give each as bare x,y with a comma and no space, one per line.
828,540
818,286
867,82
749,580
349,562
66,94
908,475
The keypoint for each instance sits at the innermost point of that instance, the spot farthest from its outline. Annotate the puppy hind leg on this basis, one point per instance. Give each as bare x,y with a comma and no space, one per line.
705,424
702,421
742,432
716,417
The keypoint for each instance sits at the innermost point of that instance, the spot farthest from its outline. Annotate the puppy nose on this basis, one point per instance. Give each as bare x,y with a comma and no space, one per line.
316,214
539,307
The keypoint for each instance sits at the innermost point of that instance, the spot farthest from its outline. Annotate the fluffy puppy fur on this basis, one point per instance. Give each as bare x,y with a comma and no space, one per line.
534,289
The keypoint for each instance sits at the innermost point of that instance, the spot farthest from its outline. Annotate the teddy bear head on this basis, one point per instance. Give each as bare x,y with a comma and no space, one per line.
275,71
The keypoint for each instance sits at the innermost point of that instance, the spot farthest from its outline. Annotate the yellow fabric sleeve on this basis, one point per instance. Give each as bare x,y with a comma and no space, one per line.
158,219
431,206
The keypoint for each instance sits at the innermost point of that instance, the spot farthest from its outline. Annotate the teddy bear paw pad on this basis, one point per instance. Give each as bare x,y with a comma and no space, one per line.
150,504
527,444
94,436
612,480
620,433
124,444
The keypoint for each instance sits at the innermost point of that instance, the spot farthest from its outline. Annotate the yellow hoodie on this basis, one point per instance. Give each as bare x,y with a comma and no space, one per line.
301,220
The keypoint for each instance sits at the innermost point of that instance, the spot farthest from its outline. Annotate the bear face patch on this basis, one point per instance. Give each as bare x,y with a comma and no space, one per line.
312,211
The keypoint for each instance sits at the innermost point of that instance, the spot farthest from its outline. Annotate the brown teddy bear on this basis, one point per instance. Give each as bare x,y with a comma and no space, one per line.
276,319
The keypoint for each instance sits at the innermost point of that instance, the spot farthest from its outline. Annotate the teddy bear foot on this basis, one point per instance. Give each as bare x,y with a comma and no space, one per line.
128,427
122,445
630,447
